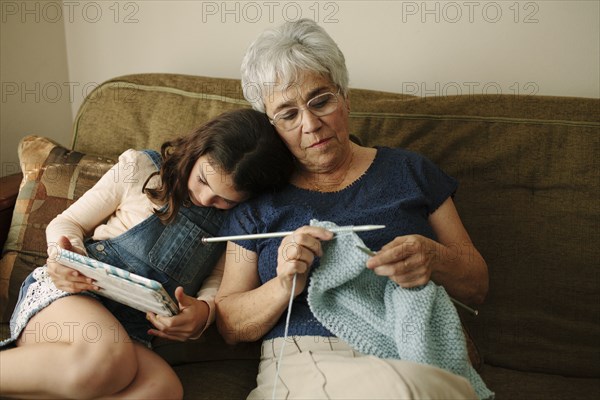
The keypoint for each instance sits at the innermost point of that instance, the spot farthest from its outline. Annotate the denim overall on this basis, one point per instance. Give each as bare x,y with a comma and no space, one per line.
172,254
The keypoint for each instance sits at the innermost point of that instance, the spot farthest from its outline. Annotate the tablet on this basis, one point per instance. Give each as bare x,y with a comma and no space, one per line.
120,285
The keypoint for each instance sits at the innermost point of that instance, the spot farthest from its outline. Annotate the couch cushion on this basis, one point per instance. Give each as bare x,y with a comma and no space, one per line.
143,111
528,195
231,369
208,347
218,379
53,178
521,385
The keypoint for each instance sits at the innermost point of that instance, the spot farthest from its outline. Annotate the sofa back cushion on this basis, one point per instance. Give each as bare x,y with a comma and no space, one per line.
143,111
528,194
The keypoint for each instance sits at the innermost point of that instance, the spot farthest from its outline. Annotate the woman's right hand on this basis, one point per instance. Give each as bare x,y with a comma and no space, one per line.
66,278
296,254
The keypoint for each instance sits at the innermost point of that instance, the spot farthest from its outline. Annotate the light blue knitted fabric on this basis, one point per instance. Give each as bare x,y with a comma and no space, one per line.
378,317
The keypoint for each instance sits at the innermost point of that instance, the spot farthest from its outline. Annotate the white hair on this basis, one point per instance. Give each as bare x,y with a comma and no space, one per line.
281,55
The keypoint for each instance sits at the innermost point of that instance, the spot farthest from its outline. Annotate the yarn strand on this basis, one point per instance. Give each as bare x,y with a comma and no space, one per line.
287,322
285,335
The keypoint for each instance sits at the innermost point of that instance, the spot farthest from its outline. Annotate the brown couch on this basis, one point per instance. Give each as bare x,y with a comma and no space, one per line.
529,182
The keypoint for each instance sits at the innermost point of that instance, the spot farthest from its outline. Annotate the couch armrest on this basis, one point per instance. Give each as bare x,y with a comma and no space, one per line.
9,189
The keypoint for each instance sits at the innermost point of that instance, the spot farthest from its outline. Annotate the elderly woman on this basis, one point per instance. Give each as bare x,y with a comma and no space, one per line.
296,74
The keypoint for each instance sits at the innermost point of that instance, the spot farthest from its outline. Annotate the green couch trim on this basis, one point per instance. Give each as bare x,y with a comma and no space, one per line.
475,119
180,92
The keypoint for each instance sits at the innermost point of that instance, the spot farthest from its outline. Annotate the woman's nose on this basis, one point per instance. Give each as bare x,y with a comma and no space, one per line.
310,122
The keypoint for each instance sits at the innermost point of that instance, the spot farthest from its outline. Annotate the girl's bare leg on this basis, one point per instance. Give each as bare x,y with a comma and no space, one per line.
155,378
74,348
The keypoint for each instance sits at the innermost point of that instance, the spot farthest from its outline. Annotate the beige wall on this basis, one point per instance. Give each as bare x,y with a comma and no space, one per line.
423,48
34,78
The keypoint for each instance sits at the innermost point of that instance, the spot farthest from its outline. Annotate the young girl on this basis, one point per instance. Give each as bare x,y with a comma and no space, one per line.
151,224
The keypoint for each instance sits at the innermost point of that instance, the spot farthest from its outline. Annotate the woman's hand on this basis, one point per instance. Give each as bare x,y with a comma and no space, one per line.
407,260
296,254
66,278
189,323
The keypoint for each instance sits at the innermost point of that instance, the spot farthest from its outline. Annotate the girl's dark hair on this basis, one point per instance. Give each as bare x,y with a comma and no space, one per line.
241,143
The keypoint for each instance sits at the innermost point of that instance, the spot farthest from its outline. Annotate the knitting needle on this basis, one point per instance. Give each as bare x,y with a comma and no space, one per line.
458,303
466,307
351,228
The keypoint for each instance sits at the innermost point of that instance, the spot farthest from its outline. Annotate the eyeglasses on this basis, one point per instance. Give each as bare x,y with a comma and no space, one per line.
321,105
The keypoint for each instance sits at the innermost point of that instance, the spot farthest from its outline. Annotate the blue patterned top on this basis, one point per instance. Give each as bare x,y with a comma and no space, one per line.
400,189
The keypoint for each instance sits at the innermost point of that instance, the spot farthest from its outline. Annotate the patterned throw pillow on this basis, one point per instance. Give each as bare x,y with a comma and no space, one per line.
53,178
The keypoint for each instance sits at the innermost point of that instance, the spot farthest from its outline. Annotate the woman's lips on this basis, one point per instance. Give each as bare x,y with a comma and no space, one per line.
319,143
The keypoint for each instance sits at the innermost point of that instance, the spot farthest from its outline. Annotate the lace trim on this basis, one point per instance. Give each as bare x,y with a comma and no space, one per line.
40,294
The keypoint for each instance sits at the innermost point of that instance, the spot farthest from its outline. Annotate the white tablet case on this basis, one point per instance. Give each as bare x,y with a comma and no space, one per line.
122,286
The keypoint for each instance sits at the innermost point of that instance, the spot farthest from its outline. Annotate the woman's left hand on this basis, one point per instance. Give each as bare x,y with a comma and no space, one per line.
407,260
189,323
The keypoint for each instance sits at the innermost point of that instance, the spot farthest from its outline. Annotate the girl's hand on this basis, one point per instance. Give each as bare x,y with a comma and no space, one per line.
407,260
189,323
66,278
296,254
